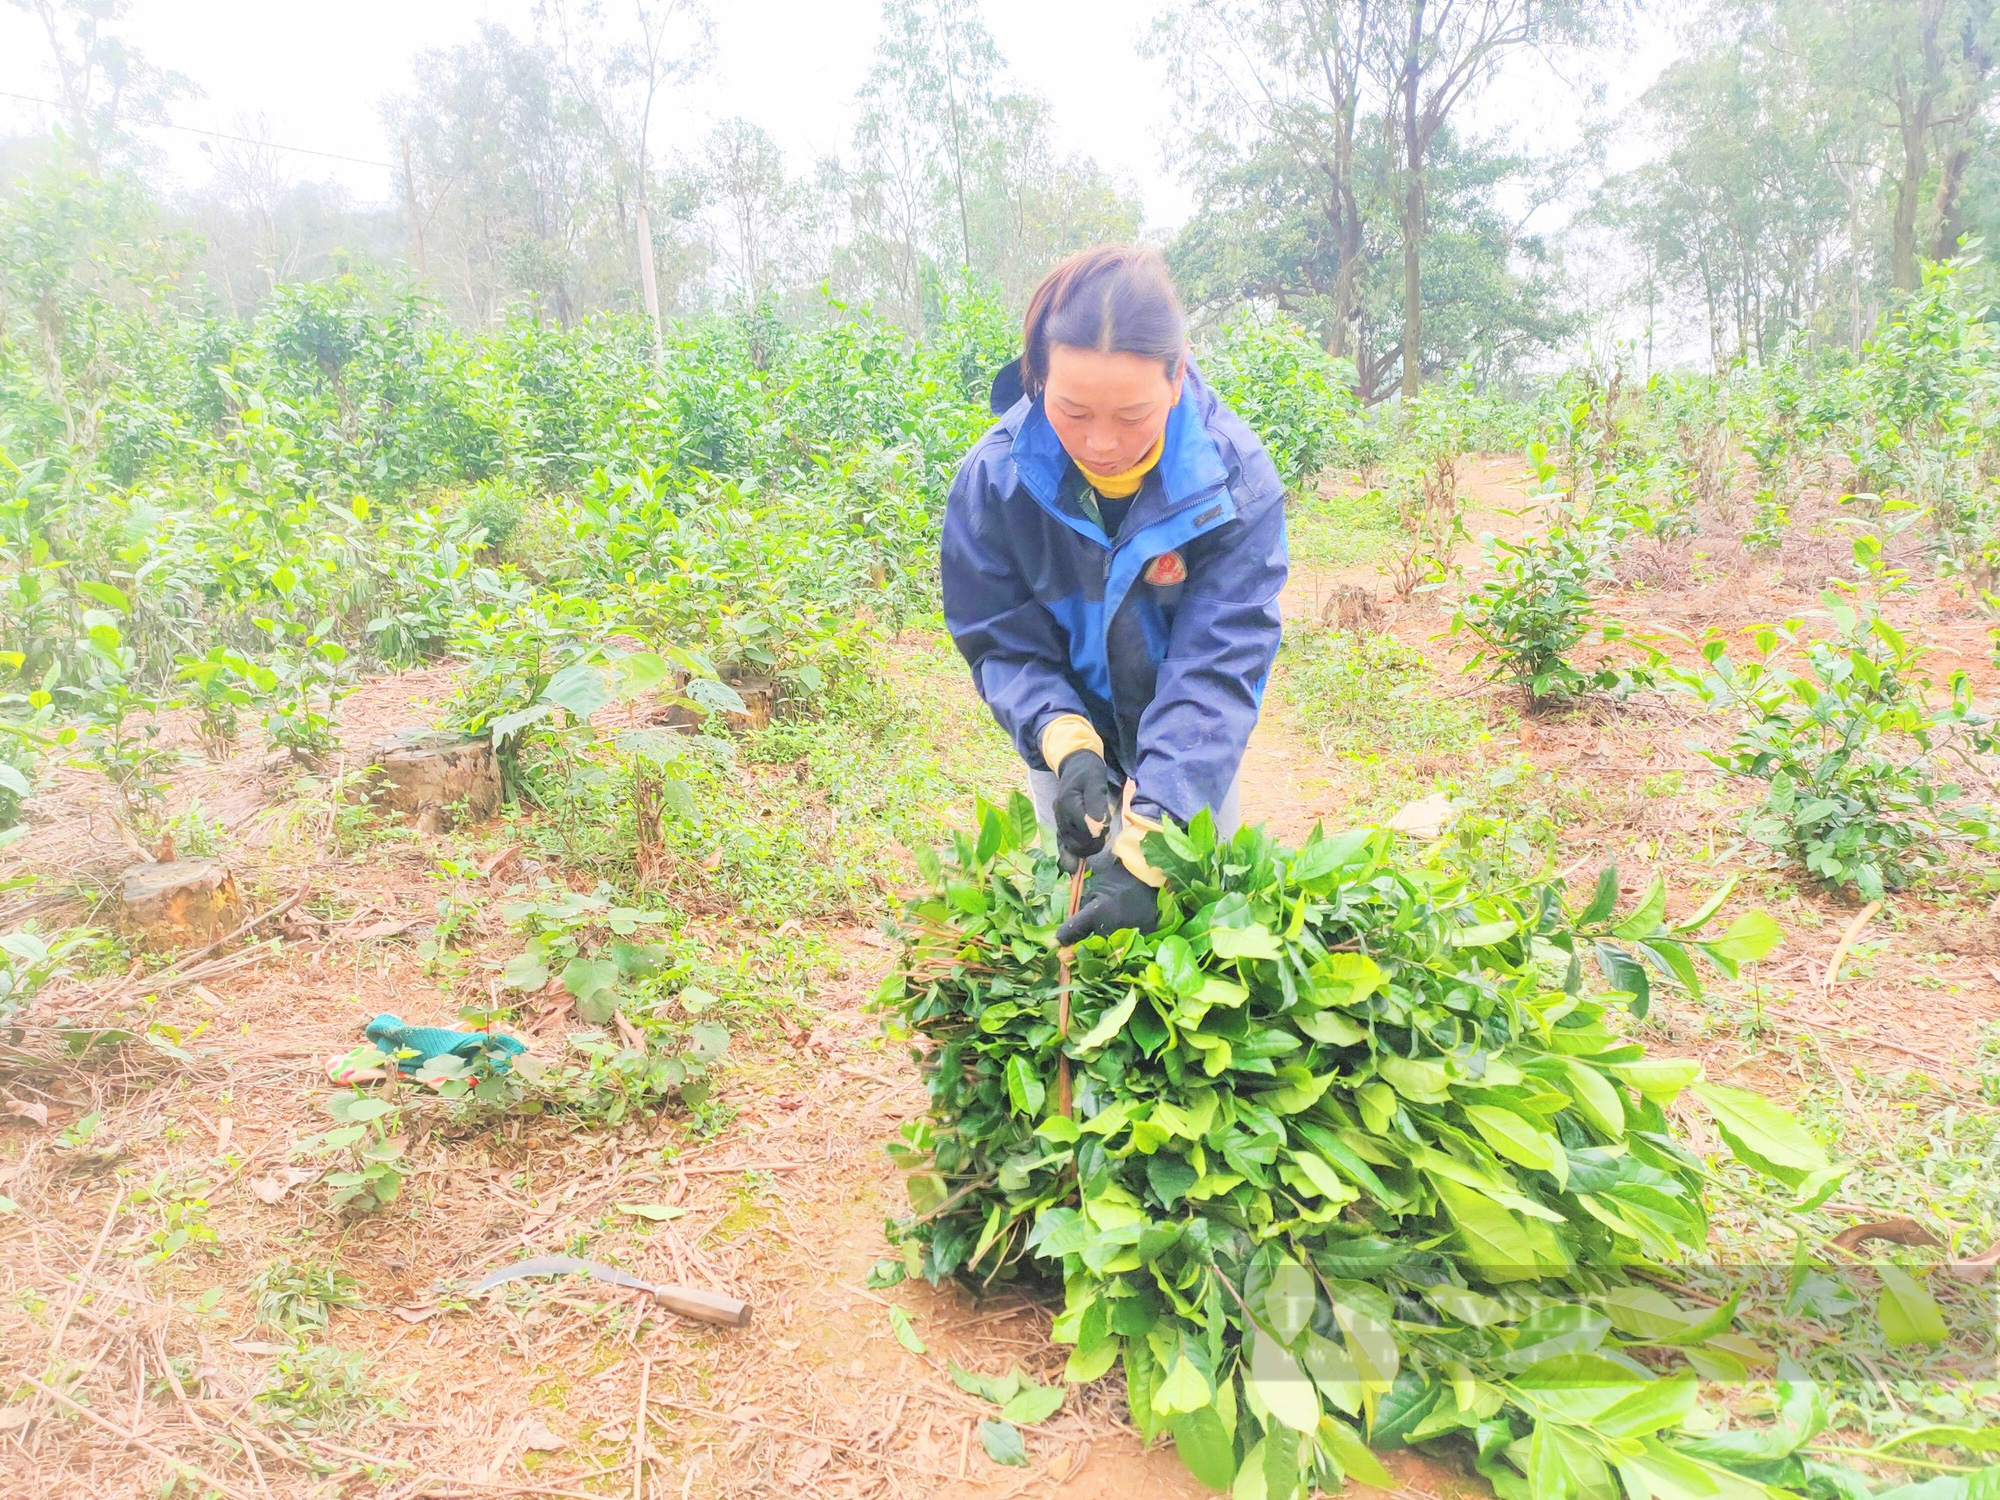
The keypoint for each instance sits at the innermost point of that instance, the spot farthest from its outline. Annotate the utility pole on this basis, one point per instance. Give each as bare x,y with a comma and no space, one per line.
648,279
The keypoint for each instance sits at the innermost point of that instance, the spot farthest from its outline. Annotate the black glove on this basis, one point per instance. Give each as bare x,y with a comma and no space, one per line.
1083,804
1113,900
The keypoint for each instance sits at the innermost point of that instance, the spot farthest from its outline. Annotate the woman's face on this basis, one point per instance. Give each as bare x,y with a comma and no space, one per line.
1107,409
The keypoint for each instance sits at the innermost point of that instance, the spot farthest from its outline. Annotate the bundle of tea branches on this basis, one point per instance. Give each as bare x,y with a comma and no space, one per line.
1356,1157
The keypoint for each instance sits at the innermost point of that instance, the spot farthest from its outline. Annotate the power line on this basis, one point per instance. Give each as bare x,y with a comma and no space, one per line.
224,135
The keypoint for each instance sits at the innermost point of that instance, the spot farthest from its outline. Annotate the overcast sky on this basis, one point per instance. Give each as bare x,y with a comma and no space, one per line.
313,75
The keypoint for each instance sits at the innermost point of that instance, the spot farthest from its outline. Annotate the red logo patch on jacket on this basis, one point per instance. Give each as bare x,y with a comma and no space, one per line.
1166,570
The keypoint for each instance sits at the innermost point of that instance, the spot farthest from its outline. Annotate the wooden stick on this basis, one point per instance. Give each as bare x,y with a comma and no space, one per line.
69,1310
1847,940
737,1166
1062,1011
639,1433
192,1471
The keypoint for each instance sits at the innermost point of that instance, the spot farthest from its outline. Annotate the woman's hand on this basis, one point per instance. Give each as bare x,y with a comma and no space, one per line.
1113,900
1083,804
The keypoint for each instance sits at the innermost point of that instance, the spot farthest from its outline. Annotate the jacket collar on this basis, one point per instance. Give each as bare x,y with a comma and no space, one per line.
1190,464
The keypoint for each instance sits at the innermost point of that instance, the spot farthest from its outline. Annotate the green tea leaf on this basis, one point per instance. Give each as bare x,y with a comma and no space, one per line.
1032,1404
1352,1454
1002,1442
1645,917
1603,900
1184,1388
1279,1382
1024,1090
1761,1135
1906,1310
906,1335
1752,936
1108,1026
1243,942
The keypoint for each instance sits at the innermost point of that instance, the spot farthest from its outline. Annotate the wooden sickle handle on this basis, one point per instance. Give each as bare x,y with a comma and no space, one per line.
703,1307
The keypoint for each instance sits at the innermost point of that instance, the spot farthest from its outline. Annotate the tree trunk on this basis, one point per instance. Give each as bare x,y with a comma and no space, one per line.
1909,187
1915,104
1413,212
1950,209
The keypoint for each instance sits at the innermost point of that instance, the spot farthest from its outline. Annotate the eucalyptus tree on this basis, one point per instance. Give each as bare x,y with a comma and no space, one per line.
510,179
1744,211
1279,86
955,172
104,85
1433,57
1301,164
1926,70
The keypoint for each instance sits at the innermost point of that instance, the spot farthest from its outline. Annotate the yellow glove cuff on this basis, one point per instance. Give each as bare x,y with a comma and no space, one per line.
1134,829
1065,734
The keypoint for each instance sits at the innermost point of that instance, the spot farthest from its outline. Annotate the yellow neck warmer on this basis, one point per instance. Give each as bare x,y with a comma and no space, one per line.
1125,486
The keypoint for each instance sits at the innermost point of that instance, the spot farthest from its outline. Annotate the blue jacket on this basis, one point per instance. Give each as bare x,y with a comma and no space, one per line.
1054,618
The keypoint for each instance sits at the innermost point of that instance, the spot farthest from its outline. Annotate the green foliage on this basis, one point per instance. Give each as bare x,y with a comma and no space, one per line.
368,1140
1845,729
1295,396
315,1388
649,1045
218,685
1535,610
29,961
292,1297
1358,1157
181,1209
300,684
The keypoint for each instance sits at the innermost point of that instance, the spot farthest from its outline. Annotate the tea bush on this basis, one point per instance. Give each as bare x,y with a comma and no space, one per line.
1847,731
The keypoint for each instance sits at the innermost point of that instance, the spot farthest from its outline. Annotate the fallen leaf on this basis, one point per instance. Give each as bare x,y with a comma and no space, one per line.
387,928
809,1463
32,1110
417,1314
494,864
823,1039
14,1416
632,1035
1979,1267
899,1324
274,1185
538,1437
745,1413
1002,1442
1898,1231
659,1213
1425,819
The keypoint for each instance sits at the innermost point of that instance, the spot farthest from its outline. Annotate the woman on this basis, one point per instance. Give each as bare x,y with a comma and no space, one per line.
1113,550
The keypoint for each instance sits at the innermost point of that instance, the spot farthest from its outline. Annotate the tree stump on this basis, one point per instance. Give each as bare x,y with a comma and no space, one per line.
760,695
437,777
181,903
760,700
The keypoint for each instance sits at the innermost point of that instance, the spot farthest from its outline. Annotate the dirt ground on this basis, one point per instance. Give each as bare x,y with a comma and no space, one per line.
547,1390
